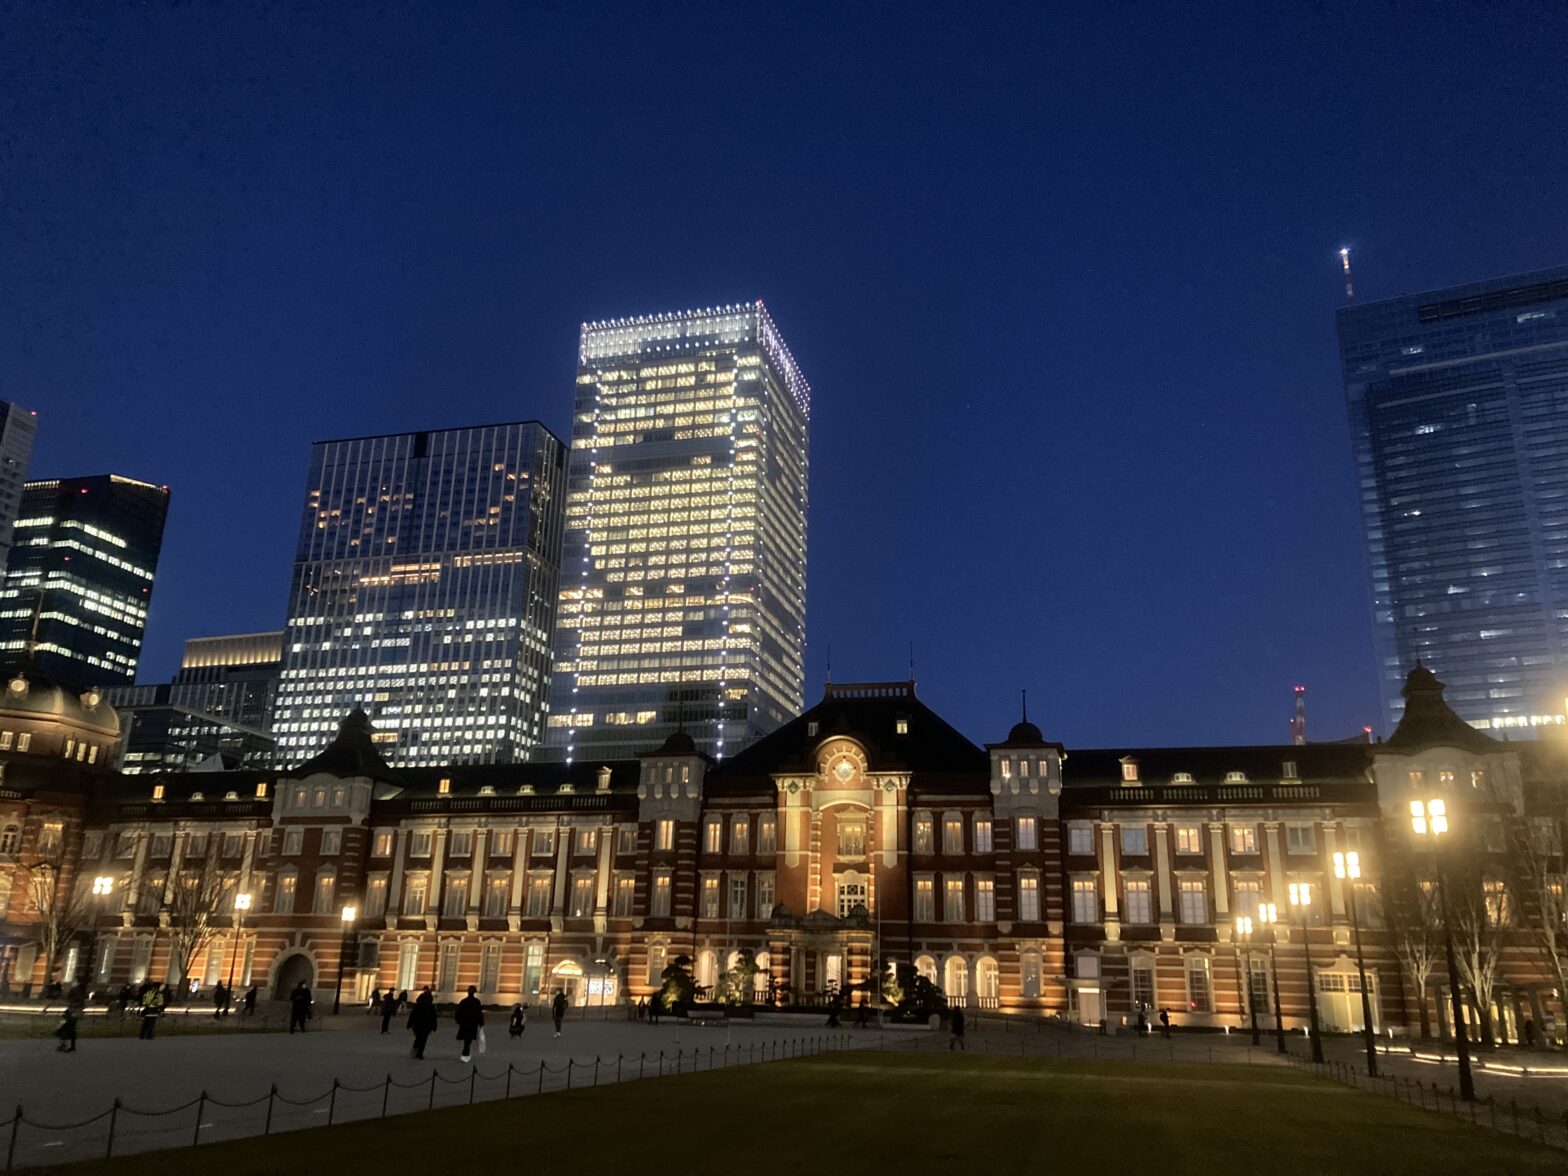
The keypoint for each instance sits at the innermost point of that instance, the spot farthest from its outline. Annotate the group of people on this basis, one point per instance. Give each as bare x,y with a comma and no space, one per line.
468,1015
150,1001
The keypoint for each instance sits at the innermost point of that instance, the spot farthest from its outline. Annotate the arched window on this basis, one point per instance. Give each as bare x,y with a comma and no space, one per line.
851,892
926,966
1030,965
956,979
707,969
657,953
10,839
988,981
759,982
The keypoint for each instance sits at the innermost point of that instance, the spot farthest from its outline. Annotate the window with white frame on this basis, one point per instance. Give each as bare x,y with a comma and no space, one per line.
1135,840
1143,993
925,900
544,842
1029,898
502,842
1244,839
953,899
985,900
765,896
326,893
1301,839
1189,839
416,895
283,895
375,896
1080,838
1200,987
923,833
952,833
419,843
737,896
664,835
498,895
1086,901
710,896
713,835
1129,771
454,899
767,834
1029,966
163,845
1194,900
233,845
539,887
659,908
460,844
1249,894
625,894
1136,899
582,896
740,836
587,842
293,842
331,842
1027,832
983,840
851,837
627,840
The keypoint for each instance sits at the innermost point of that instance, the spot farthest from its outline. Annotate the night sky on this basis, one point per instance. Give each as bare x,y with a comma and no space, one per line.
1062,278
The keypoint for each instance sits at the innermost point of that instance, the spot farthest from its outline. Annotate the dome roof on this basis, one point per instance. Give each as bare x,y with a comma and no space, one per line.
1025,732
679,743
30,694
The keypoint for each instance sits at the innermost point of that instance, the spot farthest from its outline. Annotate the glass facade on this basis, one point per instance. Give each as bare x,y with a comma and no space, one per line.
683,586
18,427
424,591
234,678
1457,411
79,578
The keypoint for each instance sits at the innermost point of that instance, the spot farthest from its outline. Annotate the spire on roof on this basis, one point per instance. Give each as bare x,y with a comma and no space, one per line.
1429,721
352,753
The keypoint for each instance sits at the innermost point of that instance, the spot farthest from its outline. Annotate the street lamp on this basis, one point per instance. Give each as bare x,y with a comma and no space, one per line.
1268,916
103,886
1347,867
1429,818
1244,986
241,905
1301,899
349,915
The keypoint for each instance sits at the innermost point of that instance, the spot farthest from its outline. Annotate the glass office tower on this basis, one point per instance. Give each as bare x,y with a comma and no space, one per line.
683,584
424,591
18,427
1458,405
233,677
79,579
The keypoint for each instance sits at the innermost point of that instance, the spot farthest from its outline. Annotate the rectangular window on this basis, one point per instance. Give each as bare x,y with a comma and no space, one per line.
764,896
1143,984
1200,992
664,835
419,843
1369,905
376,896
331,842
539,896
661,894
446,980
162,844
628,840
1029,898
233,845
925,900
381,844
195,845
1249,894
283,897
851,838
1027,833
544,842
710,897
953,899
92,845
1243,839
1194,901
983,842
740,836
1301,839
533,968
985,900
952,833
738,897
767,834
1139,908
923,833
498,895
460,844
1258,985
1135,840
454,903
125,845
293,842
1189,839
1086,901
501,842
490,968
713,835
1499,910
416,896
625,893
1080,838
587,842
582,896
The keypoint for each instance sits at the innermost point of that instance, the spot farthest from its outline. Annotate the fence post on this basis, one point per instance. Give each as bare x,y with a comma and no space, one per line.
619,1058
569,1065
432,1101
201,1109
541,1075
508,1093
114,1115
1491,1102
16,1125
641,1058
1513,1104
710,1057
386,1093
473,1077
596,1069
271,1095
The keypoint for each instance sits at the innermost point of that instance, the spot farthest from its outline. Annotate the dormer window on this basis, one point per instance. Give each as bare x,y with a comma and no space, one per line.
444,787
487,790
811,729
901,726
1182,778
157,791
1235,777
261,790
1129,771
1288,770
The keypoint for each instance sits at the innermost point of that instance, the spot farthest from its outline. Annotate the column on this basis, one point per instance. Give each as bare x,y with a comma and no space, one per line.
1336,888
395,883
514,910
1162,869
601,897
1219,875
1108,888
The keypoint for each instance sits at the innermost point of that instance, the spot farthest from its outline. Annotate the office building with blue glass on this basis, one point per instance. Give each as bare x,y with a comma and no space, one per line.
1458,403
424,591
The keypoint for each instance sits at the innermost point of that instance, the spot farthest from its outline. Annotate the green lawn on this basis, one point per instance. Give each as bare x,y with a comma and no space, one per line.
178,1025
901,1113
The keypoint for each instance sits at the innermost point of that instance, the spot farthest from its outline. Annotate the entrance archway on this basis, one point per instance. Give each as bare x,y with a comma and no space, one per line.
290,972
568,977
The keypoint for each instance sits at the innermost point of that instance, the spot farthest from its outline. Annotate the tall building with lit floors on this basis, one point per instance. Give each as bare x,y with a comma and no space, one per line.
424,590
18,428
80,576
683,586
1099,886
1461,449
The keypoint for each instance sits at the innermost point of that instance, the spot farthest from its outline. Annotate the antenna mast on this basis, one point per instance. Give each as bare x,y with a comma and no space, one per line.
1344,262
1298,722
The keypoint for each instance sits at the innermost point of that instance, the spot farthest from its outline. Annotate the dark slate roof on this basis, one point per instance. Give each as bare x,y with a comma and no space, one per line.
1429,721
544,778
1096,768
352,753
867,713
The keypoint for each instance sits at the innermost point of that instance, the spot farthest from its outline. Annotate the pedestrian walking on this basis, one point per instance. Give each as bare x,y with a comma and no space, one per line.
519,1020
375,1000
218,1000
249,1007
558,1010
833,1006
75,1003
422,1021
1165,1023
1529,1033
653,1008
153,1001
470,1018
388,1010
300,1001
955,1025
402,998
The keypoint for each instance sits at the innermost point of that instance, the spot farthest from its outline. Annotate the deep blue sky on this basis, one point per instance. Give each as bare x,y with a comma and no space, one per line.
1062,277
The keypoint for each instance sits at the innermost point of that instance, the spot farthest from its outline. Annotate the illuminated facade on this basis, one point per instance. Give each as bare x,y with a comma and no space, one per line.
231,677
683,586
18,427
80,576
1021,877
424,590
1461,450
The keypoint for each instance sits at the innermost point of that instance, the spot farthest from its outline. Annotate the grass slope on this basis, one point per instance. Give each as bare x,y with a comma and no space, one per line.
919,1113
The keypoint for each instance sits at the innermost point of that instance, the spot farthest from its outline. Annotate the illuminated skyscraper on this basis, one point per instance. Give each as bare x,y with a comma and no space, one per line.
18,427
79,579
683,581
425,584
1461,444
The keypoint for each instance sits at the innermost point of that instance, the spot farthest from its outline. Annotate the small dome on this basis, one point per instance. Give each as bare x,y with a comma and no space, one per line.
679,743
1025,732
33,695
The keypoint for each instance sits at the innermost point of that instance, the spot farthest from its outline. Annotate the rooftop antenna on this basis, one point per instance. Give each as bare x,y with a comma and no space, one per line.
830,665
911,661
1344,262
1025,696
1298,721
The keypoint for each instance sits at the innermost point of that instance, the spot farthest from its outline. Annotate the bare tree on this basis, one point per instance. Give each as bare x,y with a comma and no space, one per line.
1537,868
62,911
1480,911
1414,920
197,905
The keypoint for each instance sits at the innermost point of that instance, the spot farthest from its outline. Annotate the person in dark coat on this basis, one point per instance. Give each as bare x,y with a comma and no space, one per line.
833,1006
519,1020
422,1021
375,1000
470,1018
299,1007
75,1004
388,1011
956,1025
1165,1023
249,1007
558,1010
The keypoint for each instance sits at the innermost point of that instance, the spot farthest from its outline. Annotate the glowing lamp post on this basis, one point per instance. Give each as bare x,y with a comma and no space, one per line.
349,915
103,886
241,905
1347,867
1268,916
1301,899
1429,818
1243,986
